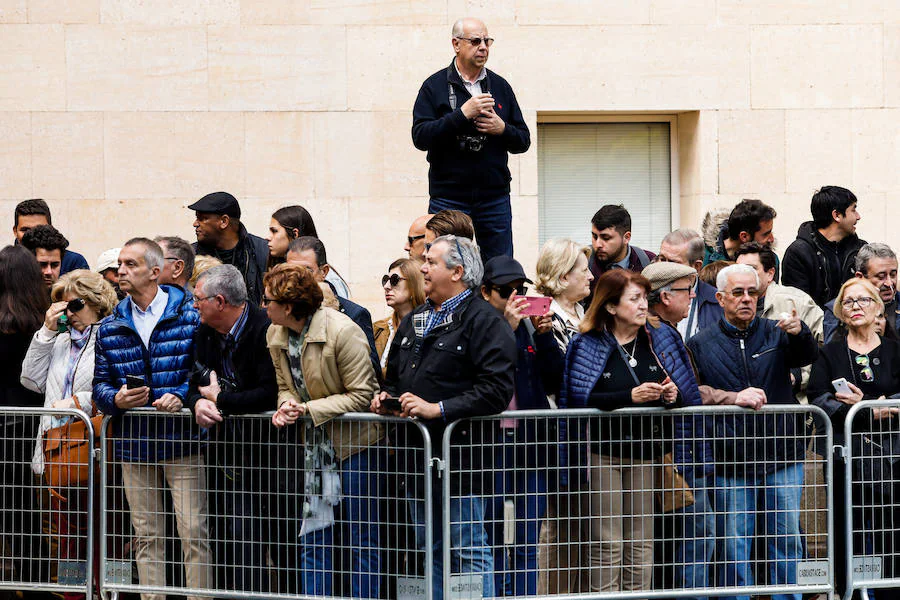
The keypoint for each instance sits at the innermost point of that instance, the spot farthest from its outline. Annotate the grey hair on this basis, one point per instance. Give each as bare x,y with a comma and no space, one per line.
463,252
655,296
739,269
225,281
695,244
460,25
870,251
153,254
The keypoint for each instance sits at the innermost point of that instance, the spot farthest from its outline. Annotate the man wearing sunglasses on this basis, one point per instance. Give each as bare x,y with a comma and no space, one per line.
746,361
468,120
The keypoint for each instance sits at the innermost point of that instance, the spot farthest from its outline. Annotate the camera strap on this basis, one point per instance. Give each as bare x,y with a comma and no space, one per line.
451,93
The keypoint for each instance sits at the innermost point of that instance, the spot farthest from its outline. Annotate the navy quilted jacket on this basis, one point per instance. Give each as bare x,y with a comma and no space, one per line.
586,359
760,356
165,365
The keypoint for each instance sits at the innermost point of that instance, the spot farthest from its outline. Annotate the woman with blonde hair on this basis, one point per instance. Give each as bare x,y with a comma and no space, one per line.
404,289
60,365
563,274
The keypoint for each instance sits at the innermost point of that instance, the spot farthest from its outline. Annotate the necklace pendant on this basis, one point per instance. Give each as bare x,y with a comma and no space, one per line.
632,362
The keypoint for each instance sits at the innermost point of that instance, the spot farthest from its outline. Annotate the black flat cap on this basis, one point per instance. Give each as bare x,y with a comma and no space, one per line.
501,270
219,203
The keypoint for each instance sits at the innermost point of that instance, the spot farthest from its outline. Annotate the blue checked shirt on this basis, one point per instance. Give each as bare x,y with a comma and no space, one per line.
430,318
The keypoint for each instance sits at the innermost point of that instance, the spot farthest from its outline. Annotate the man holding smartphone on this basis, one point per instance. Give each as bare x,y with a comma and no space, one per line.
452,358
468,120
144,355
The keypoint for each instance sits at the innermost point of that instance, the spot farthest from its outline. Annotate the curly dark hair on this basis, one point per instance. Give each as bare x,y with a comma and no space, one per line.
46,237
294,286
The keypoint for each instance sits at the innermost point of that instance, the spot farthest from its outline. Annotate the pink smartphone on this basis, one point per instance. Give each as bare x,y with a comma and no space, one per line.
537,306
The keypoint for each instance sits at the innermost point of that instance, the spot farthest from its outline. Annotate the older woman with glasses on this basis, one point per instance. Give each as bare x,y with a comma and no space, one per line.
323,370
60,365
404,289
870,365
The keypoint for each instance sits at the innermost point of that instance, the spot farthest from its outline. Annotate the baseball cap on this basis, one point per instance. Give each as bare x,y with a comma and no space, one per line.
501,270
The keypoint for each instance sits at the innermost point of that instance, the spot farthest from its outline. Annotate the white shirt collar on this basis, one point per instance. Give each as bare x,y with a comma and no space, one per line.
157,306
481,75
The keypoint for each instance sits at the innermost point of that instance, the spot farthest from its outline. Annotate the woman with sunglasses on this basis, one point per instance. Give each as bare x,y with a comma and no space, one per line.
870,364
404,290
620,360
289,223
60,365
324,370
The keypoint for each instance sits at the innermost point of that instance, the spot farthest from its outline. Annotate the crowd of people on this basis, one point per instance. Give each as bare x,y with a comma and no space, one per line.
237,324
170,325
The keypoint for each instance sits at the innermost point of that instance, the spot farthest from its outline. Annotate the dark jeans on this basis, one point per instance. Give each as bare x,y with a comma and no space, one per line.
492,220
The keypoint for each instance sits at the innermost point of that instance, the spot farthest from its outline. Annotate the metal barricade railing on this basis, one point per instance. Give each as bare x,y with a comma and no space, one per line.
869,478
47,500
245,510
571,502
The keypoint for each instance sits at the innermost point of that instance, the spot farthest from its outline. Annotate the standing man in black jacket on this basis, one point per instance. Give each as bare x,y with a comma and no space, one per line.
220,233
232,375
823,256
468,120
453,357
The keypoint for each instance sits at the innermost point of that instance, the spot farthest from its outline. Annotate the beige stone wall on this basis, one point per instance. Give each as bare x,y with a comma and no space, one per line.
121,112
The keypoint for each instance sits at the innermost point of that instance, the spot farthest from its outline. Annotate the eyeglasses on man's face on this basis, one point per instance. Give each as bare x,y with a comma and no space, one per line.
505,291
739,292
477,41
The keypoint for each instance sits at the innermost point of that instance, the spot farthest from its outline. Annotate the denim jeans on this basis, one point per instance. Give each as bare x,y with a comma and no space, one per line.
517,565
492,220
696,527
360,522
775,497
469,549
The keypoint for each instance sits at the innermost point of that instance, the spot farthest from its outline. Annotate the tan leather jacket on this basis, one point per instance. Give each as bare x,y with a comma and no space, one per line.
339,377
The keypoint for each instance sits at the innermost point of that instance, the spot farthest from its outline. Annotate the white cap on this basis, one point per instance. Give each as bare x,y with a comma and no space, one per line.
109,259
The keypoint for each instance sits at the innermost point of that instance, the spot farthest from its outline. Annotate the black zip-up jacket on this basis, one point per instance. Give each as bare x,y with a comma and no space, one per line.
461,174
806,263
469,364
760,356
250,257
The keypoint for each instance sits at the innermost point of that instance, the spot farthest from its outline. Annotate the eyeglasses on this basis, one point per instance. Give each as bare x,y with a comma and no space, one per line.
198,299
863,302
681,289
412,239
171,258
505,291
75,305
867,374
267,301
394,279
477,41
740,292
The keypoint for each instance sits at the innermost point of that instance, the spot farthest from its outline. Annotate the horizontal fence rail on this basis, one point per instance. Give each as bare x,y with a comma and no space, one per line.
869,477
46,525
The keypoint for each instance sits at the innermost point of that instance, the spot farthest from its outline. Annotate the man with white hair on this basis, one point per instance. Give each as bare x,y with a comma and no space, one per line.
468,120
452,358
759,458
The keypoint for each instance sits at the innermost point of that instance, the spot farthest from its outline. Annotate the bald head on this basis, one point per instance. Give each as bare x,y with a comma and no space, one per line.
470,23
415,241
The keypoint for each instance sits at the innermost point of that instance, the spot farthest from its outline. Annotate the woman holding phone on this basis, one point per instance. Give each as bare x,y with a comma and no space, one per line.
862,365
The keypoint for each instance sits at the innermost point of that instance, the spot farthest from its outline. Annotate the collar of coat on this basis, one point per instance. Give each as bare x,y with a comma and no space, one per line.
315,334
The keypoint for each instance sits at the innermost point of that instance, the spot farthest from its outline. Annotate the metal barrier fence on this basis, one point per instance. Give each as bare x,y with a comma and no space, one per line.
585,503
868,478
46,501
247,510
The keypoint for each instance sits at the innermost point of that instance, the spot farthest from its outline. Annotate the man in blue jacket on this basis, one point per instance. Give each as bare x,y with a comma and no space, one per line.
150,335
468,120
746,361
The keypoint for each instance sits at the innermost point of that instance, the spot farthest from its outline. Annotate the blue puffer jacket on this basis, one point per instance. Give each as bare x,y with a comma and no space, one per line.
760,356
166,366
586,359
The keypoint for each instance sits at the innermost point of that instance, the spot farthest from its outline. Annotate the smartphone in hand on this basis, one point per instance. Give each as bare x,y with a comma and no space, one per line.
537,306
133,382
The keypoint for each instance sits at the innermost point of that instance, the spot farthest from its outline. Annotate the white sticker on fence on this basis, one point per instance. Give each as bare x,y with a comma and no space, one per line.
118,571
866,568
410,588
812,572
467,586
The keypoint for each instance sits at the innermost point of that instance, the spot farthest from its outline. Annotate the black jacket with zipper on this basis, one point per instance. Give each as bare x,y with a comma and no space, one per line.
806,263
